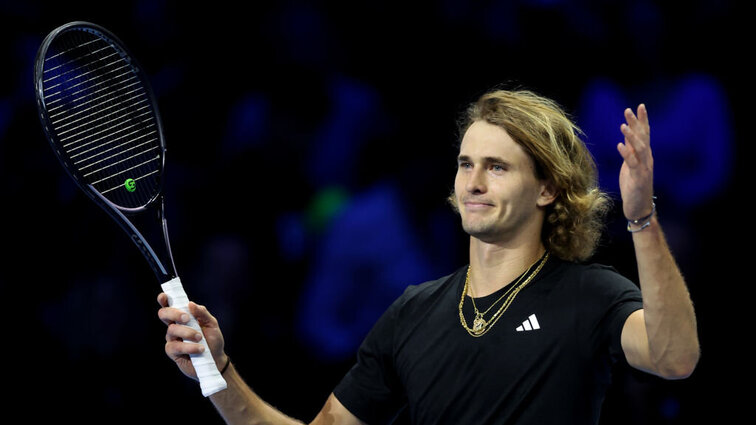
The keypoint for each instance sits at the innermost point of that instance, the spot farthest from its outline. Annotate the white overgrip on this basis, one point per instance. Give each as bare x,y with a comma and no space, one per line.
210,379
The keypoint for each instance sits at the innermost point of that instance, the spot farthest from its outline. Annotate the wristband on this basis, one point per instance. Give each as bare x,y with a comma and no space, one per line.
643,222
228,362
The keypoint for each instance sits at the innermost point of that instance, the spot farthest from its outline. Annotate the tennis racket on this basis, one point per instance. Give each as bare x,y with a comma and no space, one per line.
101,119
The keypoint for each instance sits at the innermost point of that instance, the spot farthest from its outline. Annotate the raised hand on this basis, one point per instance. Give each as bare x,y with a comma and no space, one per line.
636,178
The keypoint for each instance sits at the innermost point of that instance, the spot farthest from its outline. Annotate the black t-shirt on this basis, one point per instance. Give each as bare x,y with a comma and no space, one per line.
547,360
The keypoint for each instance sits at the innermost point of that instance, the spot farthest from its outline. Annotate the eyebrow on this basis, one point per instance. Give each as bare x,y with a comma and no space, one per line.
486,159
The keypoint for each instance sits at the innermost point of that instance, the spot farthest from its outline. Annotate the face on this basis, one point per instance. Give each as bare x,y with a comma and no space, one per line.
498,194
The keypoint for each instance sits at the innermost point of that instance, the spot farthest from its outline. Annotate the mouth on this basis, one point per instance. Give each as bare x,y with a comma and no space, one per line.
477,205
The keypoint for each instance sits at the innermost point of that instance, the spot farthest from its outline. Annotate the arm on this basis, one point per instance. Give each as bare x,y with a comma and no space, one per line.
237,404
661,338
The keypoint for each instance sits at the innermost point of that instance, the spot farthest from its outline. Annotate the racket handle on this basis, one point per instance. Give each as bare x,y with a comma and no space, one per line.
210,379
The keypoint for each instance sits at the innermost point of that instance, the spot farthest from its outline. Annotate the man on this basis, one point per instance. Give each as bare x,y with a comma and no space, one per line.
525,333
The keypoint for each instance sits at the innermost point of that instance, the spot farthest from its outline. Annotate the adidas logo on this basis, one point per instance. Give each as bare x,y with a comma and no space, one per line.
530,324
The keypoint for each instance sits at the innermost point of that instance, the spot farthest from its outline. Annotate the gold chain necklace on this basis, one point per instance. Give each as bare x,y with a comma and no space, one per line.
480,325
478,314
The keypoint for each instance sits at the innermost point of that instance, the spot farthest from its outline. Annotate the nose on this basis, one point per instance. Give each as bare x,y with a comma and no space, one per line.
476,182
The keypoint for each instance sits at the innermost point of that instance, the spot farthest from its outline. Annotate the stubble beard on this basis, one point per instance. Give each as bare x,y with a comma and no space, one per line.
484,228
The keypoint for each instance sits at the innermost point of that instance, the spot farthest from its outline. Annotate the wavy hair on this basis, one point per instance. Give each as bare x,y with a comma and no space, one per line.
575,220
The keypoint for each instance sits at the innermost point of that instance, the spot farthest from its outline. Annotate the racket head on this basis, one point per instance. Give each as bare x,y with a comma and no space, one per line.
100,115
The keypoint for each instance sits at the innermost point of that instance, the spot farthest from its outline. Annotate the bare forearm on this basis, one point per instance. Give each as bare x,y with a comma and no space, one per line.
668,310
238,404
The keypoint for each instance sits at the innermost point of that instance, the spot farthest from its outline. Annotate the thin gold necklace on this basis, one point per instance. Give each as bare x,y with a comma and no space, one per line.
480,325
478,314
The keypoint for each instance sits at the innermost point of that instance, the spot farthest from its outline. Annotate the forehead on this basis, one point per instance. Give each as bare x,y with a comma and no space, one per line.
485,140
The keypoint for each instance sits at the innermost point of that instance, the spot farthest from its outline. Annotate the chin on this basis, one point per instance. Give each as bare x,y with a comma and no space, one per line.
484,233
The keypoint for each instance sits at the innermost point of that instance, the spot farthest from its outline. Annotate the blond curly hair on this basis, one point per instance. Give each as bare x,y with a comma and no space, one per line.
575,220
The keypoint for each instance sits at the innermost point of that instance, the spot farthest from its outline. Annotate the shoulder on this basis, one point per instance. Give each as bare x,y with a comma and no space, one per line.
429,291
592,273
415,301
594,280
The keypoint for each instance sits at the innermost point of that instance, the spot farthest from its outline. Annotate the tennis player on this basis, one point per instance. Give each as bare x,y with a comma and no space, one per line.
528,331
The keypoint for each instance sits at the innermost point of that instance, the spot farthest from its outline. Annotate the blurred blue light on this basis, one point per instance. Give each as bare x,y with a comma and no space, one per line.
247,124
670,408
351,121
291,233
366,259
168,79
691,134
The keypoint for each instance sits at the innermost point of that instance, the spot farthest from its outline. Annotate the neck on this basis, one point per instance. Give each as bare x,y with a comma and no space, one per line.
494,266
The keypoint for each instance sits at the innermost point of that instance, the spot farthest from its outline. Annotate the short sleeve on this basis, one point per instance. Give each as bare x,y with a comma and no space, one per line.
612,298
371,390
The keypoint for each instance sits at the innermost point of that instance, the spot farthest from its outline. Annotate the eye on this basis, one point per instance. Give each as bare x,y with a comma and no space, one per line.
498,168
464,165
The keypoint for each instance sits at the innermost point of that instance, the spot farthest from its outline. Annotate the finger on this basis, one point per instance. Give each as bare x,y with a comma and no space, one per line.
176,349
170,315
202,314
162,299
636,138
639,123
630,118
179,332
628,154
631,138
643,115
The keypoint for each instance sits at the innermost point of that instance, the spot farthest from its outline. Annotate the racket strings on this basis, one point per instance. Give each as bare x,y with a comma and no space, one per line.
53,56
112,129
116,163
82,70
98,152
102,98
82,135
103,118
105,82
104,113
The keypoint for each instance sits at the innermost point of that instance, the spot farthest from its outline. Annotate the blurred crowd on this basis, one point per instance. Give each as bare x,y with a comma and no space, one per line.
311,146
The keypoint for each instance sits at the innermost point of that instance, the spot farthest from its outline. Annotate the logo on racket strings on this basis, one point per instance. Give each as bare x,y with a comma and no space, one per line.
130,185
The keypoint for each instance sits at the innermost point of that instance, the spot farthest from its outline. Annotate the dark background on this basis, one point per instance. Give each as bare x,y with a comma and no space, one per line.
311,147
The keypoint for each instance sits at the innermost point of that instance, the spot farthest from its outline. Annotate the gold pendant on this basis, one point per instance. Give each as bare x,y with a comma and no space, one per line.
479,325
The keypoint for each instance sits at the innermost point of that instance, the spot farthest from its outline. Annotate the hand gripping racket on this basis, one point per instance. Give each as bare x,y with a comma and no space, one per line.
101,118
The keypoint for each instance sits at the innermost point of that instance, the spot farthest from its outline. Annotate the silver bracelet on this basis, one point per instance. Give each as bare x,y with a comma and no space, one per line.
643,222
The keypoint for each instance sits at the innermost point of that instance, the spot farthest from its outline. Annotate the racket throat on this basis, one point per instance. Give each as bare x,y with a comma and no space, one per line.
164,224
162,274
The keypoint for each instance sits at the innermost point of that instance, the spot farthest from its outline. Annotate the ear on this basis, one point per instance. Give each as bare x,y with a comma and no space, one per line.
548,193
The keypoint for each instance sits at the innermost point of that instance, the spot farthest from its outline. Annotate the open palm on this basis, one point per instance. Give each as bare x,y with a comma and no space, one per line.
636,178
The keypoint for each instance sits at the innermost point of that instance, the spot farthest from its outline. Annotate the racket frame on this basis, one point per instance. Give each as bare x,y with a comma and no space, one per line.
117,212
